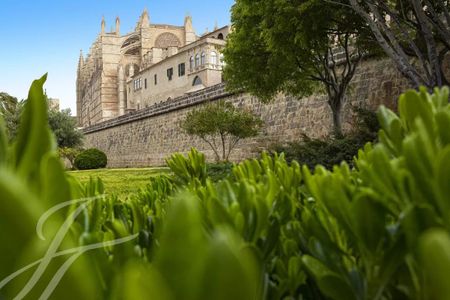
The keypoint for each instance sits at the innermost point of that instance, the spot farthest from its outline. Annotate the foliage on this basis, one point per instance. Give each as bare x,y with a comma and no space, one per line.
91,159
10,110
64,126
295,47
222,126
32,180
413,33
70,154
331,151
187,263
219,171
378,214
271,230
61,123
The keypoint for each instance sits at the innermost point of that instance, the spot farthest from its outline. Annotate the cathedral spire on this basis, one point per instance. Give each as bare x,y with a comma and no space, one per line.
145,18
190,36
117,26
80,61
103,24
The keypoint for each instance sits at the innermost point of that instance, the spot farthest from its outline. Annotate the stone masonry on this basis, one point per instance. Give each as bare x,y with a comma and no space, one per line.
123,73
148,136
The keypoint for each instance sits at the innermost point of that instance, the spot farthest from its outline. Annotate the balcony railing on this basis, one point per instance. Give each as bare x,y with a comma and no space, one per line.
218,67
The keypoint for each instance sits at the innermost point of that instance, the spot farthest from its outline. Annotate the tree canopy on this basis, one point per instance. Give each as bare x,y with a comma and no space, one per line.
10,110
222,126
295,47
64,126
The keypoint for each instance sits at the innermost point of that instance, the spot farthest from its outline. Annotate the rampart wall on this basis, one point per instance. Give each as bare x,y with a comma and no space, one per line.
148,136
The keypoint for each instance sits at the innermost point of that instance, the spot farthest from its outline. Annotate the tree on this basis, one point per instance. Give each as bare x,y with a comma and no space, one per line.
415,34
10,110
62,123
64,126
70,154
221,125
294,47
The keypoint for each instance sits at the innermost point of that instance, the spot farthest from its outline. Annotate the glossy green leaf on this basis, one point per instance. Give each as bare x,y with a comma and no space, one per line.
435,258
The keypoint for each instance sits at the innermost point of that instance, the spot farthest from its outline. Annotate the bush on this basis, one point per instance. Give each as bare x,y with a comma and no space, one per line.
332,151
91,159
219,171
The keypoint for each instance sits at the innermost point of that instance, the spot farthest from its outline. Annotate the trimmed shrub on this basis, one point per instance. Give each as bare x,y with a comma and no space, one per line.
219,171
91,159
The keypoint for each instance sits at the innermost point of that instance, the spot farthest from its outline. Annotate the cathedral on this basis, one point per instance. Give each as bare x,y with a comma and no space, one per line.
152,64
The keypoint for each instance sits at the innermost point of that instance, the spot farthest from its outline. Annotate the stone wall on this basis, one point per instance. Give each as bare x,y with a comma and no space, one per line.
148,136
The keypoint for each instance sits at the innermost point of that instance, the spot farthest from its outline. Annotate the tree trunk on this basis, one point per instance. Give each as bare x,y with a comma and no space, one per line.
212,145
337,121
224,156
387,41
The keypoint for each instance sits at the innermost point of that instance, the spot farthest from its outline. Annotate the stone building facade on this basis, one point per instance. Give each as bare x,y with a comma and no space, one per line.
148,136
124,73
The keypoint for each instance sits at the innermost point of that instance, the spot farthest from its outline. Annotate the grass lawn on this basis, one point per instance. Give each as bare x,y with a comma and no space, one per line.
120,182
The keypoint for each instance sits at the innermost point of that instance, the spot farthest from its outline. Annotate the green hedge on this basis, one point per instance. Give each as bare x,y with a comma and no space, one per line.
91,159
219,171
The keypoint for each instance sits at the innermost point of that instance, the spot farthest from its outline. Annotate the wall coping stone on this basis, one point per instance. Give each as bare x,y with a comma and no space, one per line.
208,94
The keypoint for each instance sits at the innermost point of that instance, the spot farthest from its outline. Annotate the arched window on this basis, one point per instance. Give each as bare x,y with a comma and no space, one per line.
191,63
213,58
220,36
197,81
197,60
203,61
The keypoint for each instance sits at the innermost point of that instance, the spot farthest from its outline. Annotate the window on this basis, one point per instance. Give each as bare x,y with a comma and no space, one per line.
197,81
181,69
203,58
191,63
156,79
137,84
197,60
213,58
170,73
145,83
220,36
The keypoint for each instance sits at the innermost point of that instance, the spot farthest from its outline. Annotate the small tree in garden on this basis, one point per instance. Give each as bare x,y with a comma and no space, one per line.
65,129
222,126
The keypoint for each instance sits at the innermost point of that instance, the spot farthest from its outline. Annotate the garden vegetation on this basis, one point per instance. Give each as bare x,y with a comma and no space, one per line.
270,230
90,159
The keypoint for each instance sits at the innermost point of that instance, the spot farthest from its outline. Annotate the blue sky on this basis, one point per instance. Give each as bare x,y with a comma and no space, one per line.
39,36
